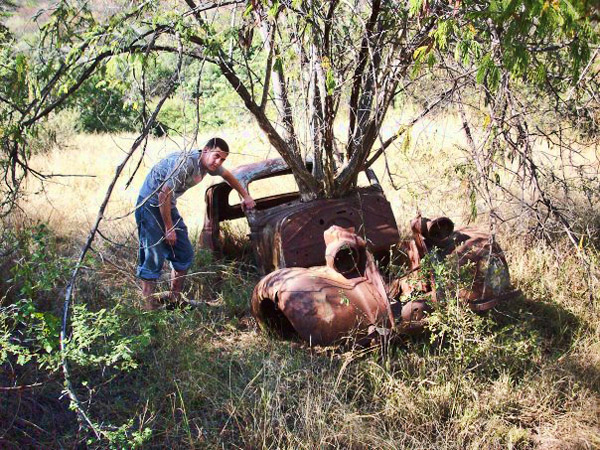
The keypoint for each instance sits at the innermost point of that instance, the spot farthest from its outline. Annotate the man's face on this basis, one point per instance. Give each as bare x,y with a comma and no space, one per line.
213,158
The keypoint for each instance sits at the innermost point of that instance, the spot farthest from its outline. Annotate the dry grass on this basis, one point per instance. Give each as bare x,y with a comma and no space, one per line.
209,380
70,204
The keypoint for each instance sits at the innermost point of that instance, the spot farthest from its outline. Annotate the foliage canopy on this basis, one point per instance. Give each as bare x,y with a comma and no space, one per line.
298,65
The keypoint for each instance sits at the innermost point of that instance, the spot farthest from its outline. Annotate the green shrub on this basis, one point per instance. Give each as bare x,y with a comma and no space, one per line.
103,339
177,115
470,340
109,340
102,107
29,328
30,325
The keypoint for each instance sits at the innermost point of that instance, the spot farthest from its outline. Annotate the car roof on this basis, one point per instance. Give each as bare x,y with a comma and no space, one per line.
261,169
247,173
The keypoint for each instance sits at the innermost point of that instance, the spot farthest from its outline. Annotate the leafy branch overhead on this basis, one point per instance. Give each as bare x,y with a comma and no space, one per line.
299,67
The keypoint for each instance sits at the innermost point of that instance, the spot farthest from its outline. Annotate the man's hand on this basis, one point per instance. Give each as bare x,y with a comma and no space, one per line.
171,237
248,203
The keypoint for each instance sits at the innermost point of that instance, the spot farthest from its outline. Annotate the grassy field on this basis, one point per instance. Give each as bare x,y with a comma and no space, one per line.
421,170
525,376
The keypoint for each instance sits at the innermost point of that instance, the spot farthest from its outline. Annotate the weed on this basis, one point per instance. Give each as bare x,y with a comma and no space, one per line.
524,375
236,290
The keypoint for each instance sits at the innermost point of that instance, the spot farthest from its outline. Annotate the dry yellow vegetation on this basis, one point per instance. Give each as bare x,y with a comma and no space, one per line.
527,376
69,203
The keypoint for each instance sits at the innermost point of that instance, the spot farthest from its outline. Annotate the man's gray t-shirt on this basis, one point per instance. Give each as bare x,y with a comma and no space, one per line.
179,171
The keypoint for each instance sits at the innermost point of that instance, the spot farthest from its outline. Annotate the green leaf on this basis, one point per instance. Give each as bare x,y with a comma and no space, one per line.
330,82
443,32
420,52
488,73
415,7
21,66
273,9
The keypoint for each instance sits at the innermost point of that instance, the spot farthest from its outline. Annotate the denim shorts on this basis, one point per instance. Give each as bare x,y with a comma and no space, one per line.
153,249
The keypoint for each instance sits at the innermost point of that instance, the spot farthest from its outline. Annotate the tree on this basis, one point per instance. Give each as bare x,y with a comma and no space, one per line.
317,60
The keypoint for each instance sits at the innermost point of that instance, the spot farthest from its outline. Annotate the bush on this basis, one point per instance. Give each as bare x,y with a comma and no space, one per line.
102,107
217,102
473,341
177,115
106,341
56,130
30,325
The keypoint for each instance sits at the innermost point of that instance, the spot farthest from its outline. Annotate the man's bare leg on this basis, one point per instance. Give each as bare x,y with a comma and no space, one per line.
177,281
150,301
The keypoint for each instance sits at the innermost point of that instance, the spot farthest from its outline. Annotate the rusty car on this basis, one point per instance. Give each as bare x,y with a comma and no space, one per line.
323,259
345,297
285,232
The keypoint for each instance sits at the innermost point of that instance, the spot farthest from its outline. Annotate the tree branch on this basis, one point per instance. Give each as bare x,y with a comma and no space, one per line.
64,339
358,76
306,182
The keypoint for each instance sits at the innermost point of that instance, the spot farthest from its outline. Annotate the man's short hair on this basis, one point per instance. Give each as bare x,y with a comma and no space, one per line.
217,142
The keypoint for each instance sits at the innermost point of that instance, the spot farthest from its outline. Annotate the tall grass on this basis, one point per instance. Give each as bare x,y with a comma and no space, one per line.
527,375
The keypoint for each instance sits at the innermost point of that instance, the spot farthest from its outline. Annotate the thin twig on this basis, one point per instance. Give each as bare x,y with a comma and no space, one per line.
21,387
64,339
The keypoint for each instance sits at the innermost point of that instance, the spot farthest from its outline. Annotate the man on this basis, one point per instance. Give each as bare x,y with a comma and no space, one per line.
161,230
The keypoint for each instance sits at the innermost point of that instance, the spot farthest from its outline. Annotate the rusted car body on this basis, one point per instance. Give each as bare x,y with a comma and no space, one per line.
285,232
471,250
322,281
323,305
348,298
